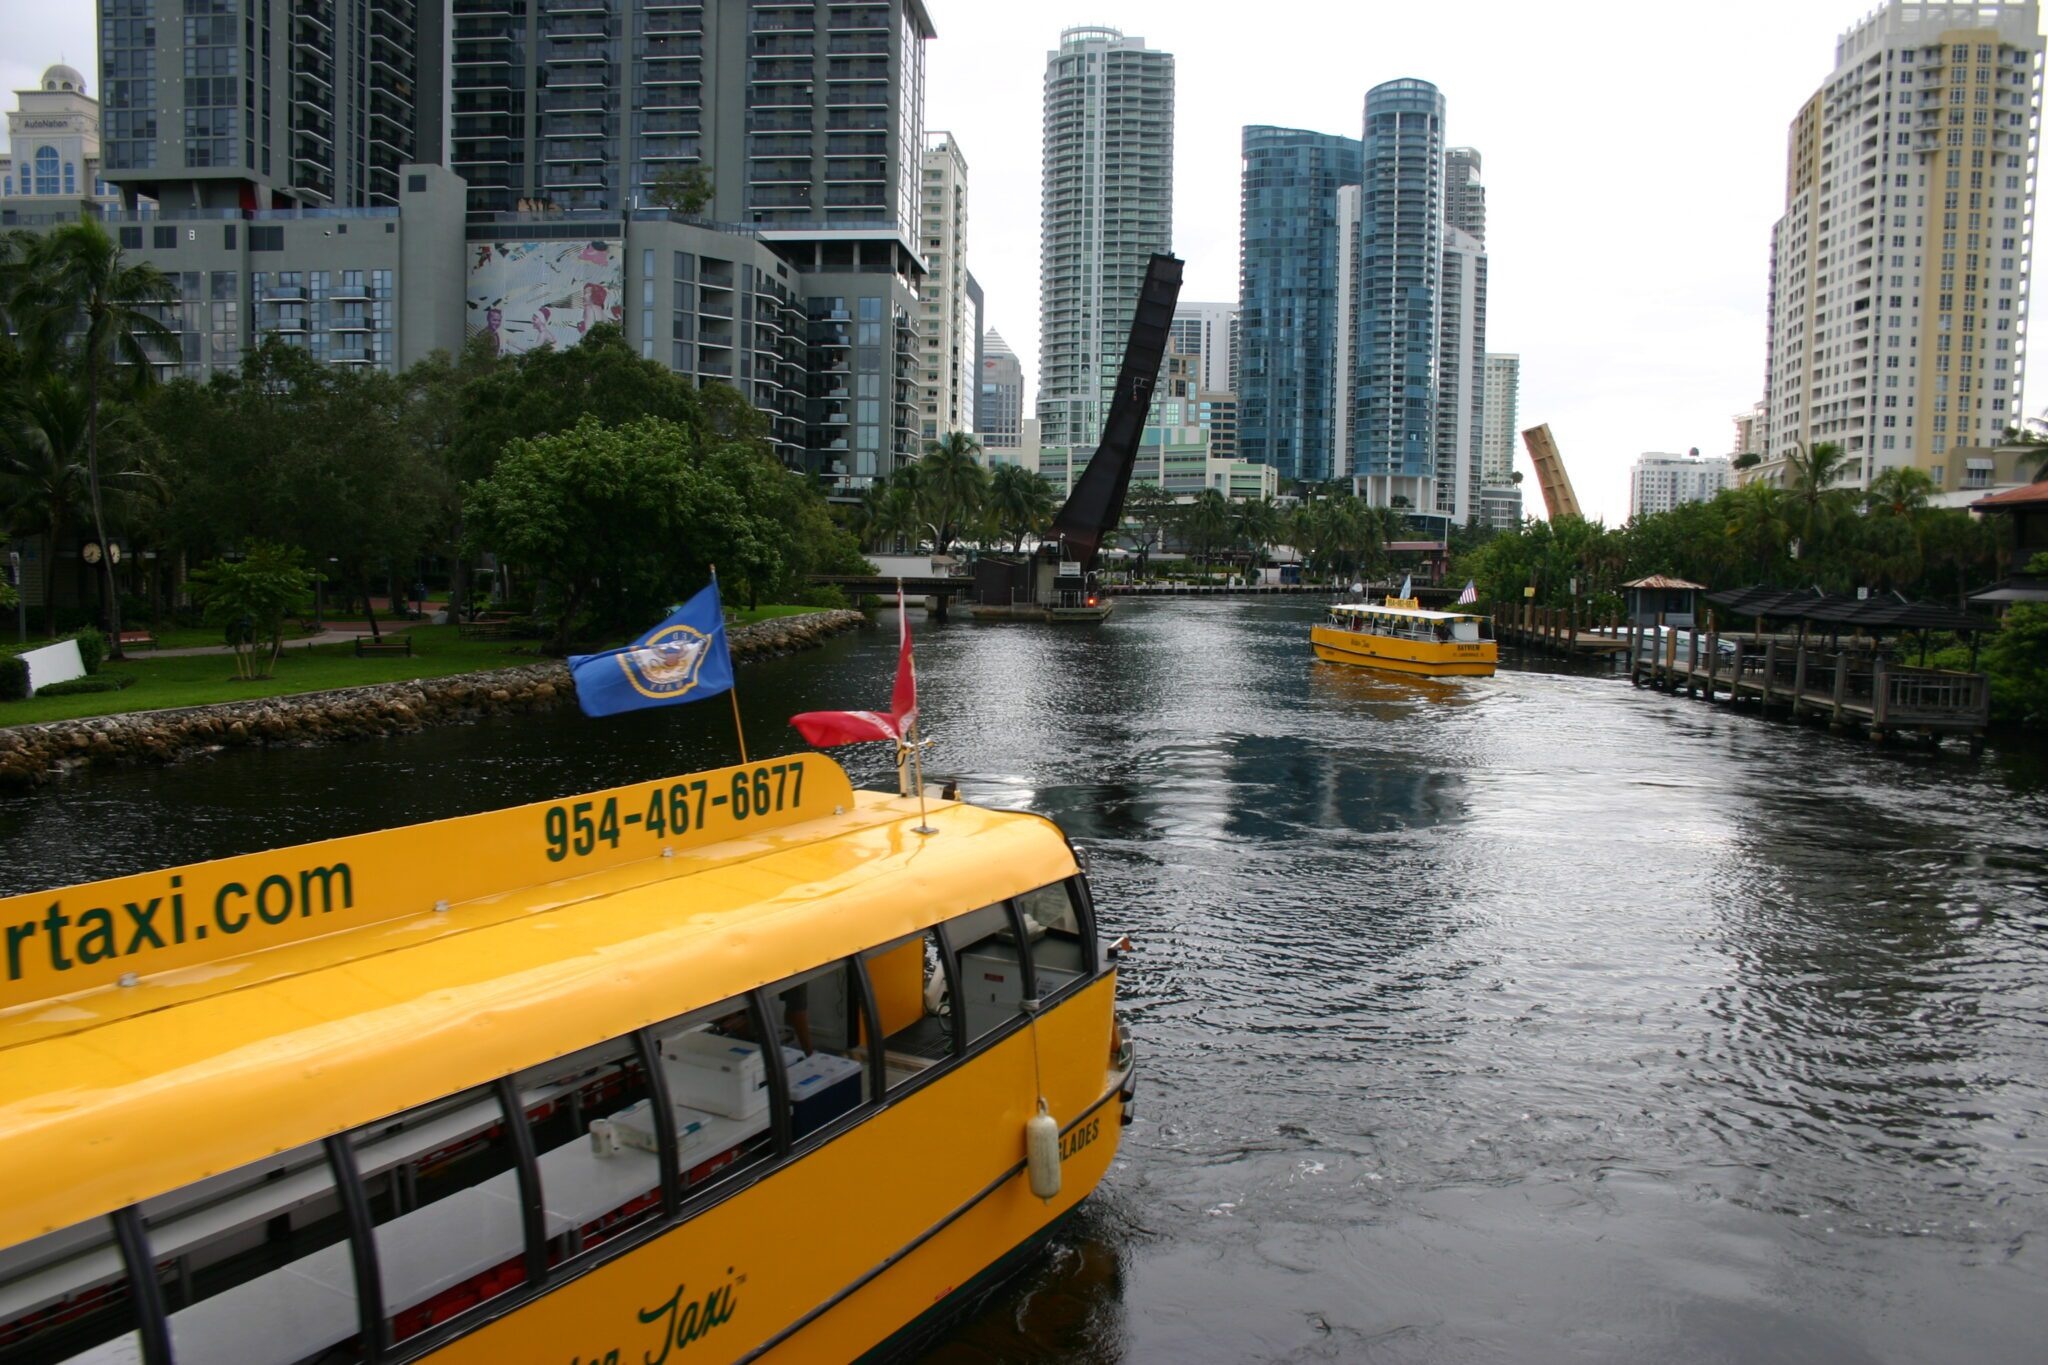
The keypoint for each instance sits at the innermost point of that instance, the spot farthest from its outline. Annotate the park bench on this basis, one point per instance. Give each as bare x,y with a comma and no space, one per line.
366,647
487,628
136,639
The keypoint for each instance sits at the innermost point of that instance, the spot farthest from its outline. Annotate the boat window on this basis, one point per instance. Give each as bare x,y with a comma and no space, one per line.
596,1144
65,1293
991,980
914,1005
822,1017
1467,631
448,1215
719,1089
1052,926
255,1256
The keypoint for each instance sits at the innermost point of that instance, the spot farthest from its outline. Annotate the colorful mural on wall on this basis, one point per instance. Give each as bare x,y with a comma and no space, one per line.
529,295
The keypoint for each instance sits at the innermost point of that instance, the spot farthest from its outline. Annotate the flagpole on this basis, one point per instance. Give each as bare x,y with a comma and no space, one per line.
733,691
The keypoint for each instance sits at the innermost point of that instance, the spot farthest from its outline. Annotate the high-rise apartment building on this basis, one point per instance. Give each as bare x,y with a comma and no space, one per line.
1900,269
1289,267
947,325
1395,290
265,104
1002,394
1752,436
277,137
1460,377
1204,329
1500,422
1659,482
1464,194
1106,207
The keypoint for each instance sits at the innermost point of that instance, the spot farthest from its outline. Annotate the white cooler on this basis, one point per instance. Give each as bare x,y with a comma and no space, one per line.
719,1075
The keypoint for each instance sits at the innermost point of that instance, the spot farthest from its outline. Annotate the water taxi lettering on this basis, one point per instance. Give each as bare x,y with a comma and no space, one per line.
1080,1137
683,1323
102,932
578,827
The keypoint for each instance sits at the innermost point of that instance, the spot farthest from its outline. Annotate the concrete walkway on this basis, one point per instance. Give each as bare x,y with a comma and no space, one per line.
344,634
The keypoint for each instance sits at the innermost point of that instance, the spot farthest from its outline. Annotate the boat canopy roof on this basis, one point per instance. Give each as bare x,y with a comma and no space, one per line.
443,956
1410,613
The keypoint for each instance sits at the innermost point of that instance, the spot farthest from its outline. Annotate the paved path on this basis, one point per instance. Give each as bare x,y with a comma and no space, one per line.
331,636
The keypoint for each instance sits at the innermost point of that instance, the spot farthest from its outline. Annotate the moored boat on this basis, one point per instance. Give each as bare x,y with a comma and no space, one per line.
1401,637
744,1061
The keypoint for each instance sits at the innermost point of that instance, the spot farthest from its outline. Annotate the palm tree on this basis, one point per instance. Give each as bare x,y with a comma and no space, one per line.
1258,524
1811,486
76,281
44,483
952,484
1019,502
1760,525
1148,507
1901,491
1206,521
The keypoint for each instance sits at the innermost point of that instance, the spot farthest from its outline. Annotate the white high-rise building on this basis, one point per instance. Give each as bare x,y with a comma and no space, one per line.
1204,329
1500,500
1899,271
1460,375
946,324
1660,482
1106,207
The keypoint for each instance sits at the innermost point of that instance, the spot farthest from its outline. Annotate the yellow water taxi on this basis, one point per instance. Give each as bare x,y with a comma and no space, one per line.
1401,637
744,1065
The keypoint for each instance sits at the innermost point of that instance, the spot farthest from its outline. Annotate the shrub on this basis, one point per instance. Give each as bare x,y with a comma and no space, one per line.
13,678
92,647
108,682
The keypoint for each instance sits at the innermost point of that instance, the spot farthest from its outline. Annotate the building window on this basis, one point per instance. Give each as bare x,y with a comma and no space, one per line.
46,171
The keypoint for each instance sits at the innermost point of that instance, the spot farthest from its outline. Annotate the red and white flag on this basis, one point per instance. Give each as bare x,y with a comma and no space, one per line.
1470,595
826,728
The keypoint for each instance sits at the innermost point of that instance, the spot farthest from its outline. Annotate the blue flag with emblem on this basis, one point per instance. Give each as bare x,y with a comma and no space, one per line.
685,658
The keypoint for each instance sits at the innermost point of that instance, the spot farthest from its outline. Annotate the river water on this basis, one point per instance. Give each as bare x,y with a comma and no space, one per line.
1525,1020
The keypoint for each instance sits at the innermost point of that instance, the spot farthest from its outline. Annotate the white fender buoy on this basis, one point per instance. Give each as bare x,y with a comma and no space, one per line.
1042,1152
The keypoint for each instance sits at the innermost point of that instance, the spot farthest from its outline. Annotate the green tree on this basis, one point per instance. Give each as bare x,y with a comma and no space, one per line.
1811,487
77,283
951,486
45,481
1205,523
1257,525
251,597
1020,503
1149,509
617,521
682,189
2017,661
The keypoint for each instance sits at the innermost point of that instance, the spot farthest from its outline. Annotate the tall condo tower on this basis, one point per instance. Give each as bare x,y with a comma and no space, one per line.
948,324
1899,271
1290,245
1464,194
1107,206
1395,289
1460,376
261,104
1002,394
802,112
1204,329
1500,499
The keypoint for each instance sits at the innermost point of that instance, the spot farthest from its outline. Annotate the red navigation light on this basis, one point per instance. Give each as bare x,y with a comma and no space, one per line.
1091,601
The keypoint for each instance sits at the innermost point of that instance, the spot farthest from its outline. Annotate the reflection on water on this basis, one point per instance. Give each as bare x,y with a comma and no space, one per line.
1532,1018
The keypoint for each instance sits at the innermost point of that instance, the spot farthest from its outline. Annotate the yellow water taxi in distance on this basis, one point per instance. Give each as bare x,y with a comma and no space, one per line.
742,1065
1399,636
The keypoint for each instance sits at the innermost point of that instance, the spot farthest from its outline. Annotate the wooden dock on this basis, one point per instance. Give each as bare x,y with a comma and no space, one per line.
1558,631
1849,689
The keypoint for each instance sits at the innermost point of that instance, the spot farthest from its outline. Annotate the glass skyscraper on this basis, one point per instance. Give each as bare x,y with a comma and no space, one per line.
1290,387
1394,294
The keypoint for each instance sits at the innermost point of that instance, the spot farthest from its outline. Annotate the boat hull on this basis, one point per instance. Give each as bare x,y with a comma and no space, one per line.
1425,658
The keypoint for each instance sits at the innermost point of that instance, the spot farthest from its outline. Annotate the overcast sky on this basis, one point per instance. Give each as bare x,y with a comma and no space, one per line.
1634,163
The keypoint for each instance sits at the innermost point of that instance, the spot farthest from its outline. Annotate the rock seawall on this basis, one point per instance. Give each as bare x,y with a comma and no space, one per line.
34,754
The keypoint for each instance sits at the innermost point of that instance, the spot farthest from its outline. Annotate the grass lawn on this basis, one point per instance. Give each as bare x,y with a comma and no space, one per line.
197,680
